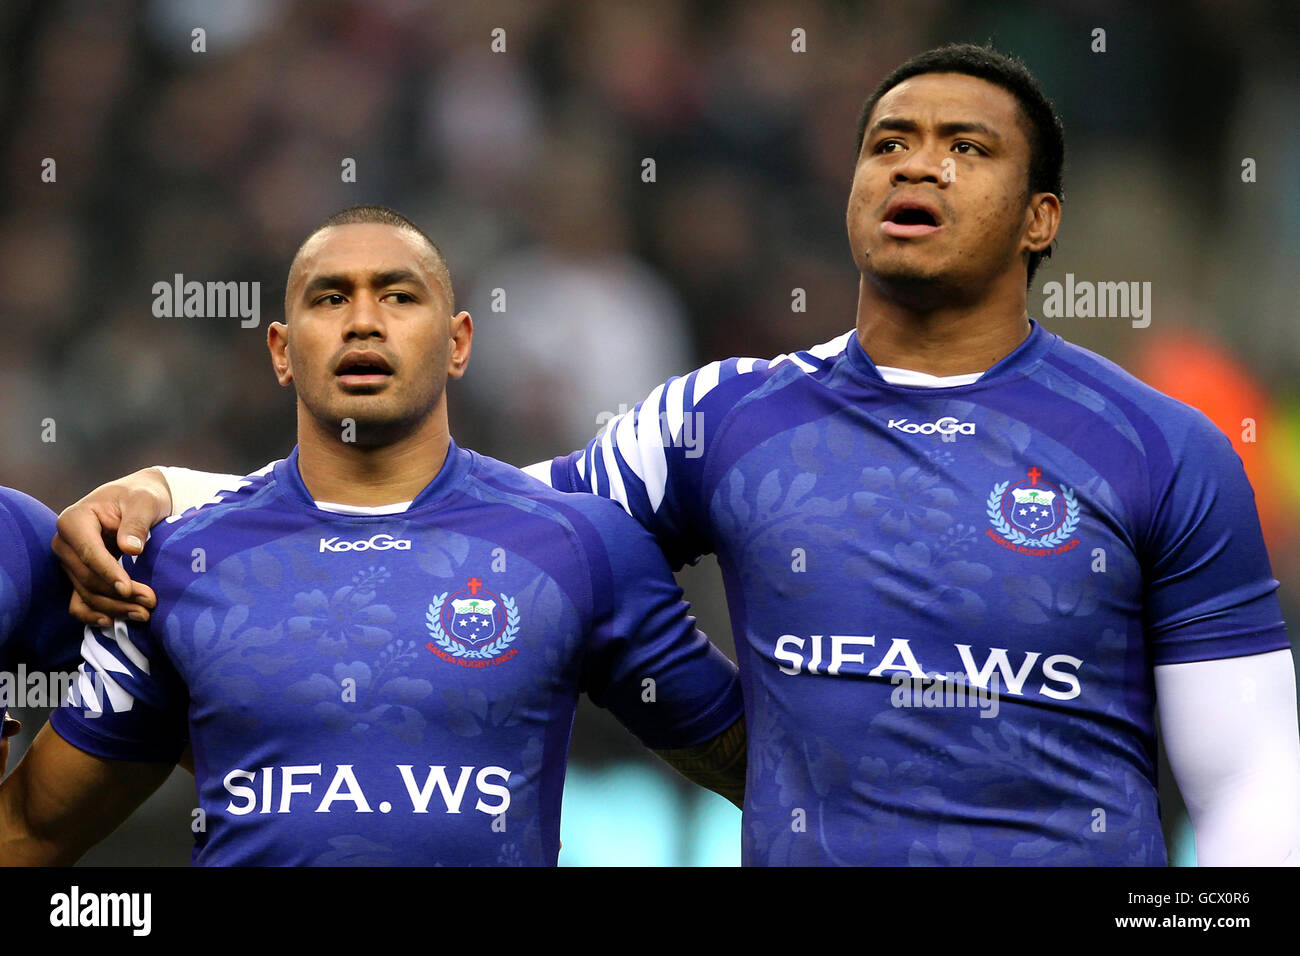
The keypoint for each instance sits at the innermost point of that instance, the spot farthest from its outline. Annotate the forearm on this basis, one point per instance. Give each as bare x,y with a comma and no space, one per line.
60,801
1229,728
718,764
21,842
20,847
1249,822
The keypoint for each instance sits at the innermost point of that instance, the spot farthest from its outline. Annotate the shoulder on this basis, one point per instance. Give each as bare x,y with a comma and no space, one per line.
22,510
26,528
595,525
738,376
1152,415
496,482
214,515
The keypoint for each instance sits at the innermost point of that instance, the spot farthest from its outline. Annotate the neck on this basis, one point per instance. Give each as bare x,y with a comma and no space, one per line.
942,339
349,474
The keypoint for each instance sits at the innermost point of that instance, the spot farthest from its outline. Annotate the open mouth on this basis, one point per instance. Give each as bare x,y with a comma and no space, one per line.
907,221
363,369
913,217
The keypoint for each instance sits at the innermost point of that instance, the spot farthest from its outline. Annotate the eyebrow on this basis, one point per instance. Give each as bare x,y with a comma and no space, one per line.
377,280
955,128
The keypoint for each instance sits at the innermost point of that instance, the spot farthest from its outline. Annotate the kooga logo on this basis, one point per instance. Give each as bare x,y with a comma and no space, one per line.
944,426
380,542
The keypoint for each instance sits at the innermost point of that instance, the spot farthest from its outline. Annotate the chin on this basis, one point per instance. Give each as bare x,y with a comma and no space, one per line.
379,431
918,284
369,423
906,268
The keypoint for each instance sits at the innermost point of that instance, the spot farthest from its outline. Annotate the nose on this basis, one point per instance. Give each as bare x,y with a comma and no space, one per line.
365,319
920,165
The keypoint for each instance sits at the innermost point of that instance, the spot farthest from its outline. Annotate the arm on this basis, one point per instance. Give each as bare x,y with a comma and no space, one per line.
1225,685
646,662
117,517
59,801
1230,731
718,764
652,460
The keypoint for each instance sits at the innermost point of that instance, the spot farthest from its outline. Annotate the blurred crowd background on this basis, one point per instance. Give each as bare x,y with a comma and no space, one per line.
526,166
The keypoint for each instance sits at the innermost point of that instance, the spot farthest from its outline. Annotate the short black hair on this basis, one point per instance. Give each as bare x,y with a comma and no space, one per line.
384,216
1045,132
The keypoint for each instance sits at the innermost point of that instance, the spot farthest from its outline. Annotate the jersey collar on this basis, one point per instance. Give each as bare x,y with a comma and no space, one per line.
448,479
1019,362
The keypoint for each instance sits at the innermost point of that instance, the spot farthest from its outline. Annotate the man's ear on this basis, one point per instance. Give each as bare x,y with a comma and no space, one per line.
462,337
277,342
1043,218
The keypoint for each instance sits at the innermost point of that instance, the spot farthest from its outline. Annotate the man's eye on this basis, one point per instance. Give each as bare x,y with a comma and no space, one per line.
403,297
883,147
334,298
968,148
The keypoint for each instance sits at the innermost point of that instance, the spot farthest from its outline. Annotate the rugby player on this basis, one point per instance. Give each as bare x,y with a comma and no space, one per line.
375,645
949,499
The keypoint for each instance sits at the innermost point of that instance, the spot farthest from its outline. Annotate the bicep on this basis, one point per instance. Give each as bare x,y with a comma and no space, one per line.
60,801
1230,733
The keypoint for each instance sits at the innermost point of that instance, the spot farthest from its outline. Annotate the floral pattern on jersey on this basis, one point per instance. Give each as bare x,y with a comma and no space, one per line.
935,776
906,504
357,697
1033,600
819,509
765,521
470,713
346,619
229,658
919,577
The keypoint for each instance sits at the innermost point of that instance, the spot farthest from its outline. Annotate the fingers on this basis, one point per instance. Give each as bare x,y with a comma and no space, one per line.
140,511
93,599
80,548
113,517
79,608
97,610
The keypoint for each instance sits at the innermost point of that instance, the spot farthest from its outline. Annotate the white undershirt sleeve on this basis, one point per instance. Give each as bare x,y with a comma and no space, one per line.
192,488
1230,732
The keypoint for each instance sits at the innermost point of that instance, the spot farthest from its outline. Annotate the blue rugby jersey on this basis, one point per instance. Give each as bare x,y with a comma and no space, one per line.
398,688
1041,538
36,630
